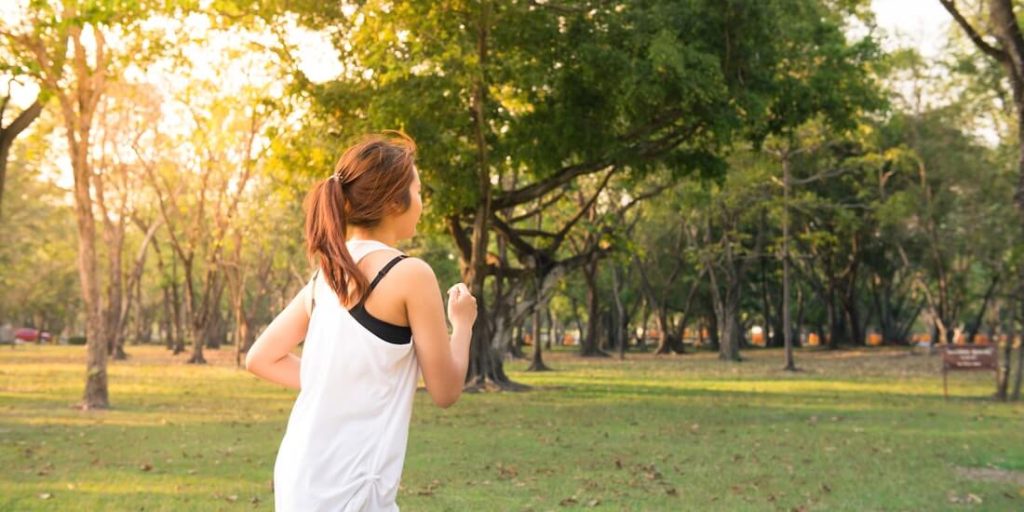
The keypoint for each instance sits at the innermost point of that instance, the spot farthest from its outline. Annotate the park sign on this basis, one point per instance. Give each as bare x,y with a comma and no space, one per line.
968,358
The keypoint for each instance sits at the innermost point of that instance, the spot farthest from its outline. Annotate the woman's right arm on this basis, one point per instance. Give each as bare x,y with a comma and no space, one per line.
270,356
443,359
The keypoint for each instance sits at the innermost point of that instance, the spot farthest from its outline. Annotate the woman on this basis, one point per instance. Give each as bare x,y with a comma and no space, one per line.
366,340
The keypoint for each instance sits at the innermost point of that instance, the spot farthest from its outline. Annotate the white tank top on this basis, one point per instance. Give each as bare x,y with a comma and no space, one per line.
344,446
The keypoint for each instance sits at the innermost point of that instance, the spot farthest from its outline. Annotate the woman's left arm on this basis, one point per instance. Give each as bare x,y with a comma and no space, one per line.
271,357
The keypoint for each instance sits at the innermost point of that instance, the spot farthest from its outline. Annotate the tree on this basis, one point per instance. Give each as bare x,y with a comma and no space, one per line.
200,201
53,40
667,264
72,50
553,92
125,113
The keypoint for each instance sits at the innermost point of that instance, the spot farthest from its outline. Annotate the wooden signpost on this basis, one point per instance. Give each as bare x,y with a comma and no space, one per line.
968,358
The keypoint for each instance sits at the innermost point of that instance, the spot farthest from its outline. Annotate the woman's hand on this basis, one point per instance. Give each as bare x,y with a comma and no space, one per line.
461,307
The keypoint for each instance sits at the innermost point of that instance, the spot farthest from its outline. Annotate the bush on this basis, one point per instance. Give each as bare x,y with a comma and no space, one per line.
76,340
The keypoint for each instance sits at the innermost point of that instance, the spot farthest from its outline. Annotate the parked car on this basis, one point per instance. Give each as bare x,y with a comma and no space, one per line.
28,334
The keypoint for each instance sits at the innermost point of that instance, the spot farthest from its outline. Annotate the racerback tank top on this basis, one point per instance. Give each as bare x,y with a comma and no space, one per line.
344,446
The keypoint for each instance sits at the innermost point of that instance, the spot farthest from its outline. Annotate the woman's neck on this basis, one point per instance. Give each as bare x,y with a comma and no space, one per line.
379,234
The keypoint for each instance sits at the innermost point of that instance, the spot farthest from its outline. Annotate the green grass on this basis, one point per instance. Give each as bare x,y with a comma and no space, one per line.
857,430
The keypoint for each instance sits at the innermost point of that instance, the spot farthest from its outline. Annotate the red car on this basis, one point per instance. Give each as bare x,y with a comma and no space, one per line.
29,334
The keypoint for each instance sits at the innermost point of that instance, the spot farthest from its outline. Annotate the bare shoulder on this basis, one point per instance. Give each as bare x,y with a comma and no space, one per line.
416,272
418,282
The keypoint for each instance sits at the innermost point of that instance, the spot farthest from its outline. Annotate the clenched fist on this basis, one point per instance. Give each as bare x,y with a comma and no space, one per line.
461,307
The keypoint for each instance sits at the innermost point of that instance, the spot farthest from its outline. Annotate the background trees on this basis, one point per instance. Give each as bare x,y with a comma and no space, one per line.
655,175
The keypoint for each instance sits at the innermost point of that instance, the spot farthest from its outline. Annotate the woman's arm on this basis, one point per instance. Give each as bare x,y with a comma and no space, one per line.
443,360
271,357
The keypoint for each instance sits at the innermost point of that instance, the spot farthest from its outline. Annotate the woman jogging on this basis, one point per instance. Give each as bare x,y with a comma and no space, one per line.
372,320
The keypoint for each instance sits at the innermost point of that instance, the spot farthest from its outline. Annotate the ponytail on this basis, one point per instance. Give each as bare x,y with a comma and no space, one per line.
325,240
370,182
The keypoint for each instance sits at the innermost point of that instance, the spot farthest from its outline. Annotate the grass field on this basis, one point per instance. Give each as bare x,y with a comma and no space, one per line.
856,430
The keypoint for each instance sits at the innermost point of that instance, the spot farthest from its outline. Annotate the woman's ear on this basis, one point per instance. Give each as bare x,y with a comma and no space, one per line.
397,208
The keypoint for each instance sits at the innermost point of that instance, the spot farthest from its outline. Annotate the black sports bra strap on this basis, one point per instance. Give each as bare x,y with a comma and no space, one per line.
373,284
380,275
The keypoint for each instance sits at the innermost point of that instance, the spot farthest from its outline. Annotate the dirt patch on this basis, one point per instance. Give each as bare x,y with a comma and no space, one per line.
992,475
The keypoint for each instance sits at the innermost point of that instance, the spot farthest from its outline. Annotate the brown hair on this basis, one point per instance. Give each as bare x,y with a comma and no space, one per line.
371,180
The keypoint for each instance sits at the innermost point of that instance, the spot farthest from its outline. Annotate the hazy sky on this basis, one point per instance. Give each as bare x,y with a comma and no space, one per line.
920,23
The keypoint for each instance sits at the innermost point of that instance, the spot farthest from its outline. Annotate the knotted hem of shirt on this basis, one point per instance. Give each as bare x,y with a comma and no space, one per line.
367,486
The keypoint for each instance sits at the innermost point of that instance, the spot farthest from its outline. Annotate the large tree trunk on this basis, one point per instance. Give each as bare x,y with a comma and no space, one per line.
667,339
589,344
726,305
96,394
485,363
78,100
732,335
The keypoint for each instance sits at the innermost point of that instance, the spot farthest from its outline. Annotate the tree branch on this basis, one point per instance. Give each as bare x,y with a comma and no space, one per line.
996,53
538,210
21,122
560,236
538,189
